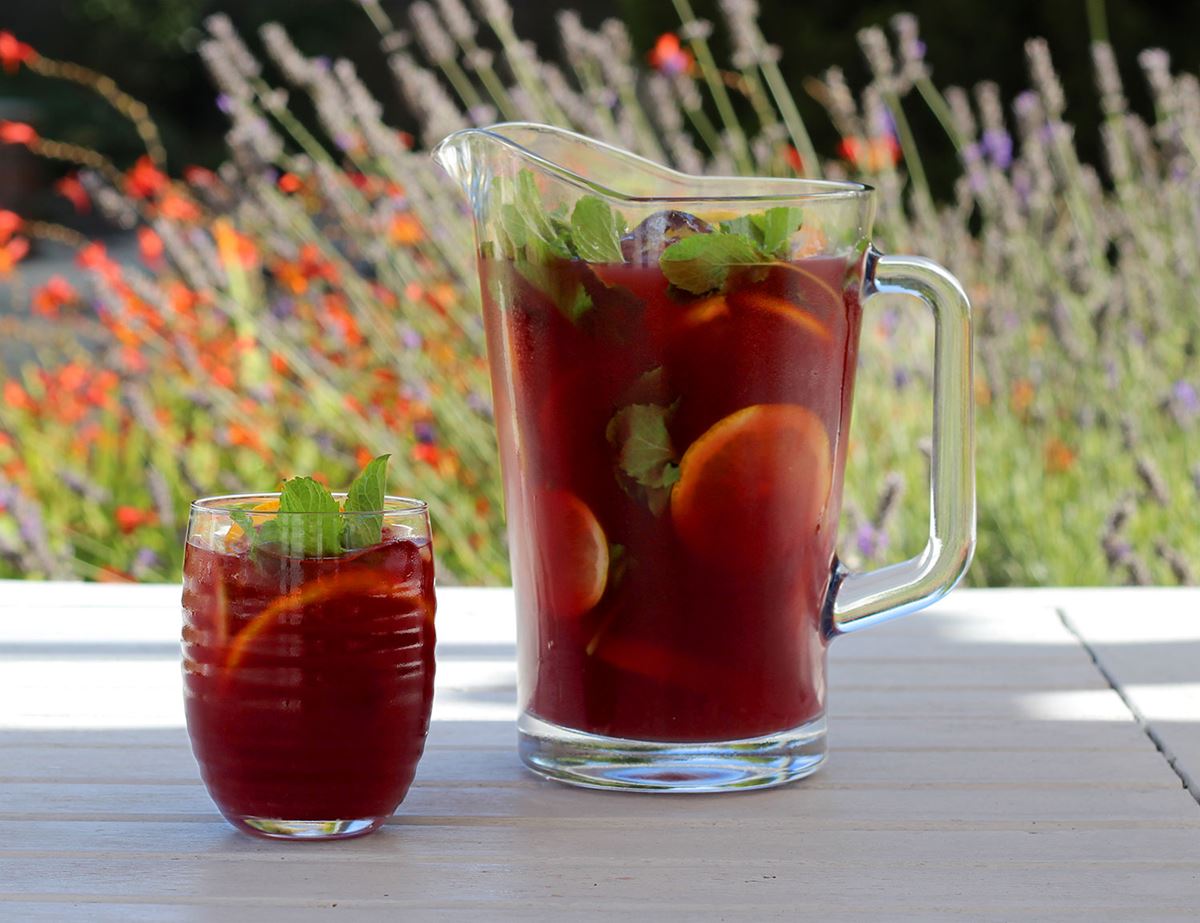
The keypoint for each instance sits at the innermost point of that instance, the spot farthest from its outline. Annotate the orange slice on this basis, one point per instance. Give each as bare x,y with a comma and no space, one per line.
571,552
783,310
753,485
235,531
360,582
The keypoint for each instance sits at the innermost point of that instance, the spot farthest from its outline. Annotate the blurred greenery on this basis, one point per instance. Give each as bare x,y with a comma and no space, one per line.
148,46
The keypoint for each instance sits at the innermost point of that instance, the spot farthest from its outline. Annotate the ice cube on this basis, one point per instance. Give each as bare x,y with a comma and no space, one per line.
646,242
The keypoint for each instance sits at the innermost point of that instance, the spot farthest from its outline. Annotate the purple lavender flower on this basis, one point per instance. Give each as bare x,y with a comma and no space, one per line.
147,559
1186,401
998,145
869,540
972,153
1027,104
901,378
283,307
224,103
424,432
410,338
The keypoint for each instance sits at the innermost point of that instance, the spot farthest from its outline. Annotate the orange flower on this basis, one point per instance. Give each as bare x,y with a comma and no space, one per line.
794,160
240,435
10,223
17,133
406,229
182,299
14,53
279,364
130,518
669,57
150,245
1059,456
107,574
95,257
144,180
362,455
17,397
1023,394
51,297
290,183
71,189
871,154
11,254
178,207
234,247
427,453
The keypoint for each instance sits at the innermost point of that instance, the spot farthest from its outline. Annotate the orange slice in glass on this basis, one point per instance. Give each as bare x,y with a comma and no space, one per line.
572,553
753,485
358,582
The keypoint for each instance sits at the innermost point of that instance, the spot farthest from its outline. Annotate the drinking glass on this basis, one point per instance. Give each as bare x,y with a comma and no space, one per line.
308,681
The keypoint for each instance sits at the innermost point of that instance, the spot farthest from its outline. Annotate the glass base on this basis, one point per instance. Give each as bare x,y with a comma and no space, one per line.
592,761
274,828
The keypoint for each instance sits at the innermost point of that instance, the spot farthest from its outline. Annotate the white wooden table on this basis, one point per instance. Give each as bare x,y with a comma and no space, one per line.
1007,755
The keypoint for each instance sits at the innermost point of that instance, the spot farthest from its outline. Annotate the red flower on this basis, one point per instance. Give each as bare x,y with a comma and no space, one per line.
178,208
52,296
14,53
873,154
669,57
144,180
95,257
130,518
150,245
17,397
17,133
794,160
70,188
427,453
290,182
11,254
10,223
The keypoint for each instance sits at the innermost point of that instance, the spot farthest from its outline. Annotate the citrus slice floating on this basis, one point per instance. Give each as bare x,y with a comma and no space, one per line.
571,552
783,310
360,582
753,486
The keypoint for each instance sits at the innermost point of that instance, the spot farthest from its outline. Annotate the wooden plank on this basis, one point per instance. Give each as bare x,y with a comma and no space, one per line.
1152,653
696,881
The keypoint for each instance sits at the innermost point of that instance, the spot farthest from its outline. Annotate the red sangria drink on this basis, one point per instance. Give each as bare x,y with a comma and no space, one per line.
308,654
673,363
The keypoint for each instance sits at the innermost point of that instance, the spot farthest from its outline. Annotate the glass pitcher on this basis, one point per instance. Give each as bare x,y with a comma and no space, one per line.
672,363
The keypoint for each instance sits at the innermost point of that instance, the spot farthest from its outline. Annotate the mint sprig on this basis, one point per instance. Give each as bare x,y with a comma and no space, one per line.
645,456
317,533
365,499
310,521
596,231
701,263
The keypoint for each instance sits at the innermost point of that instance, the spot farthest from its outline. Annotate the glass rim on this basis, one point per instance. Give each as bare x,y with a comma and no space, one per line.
393,506
801,189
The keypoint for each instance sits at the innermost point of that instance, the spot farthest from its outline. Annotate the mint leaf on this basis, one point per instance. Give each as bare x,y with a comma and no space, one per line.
530,208
596,231
775,227
560,284
644,451
700,263
366,497
315,534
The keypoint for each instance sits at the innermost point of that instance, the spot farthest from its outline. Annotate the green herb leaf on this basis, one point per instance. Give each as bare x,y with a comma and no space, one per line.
312,535
644,451
532,211
701,263
366,497
775,227
596,231
560,284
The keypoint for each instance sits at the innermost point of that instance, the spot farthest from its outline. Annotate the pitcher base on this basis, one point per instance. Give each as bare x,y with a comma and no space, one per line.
592,761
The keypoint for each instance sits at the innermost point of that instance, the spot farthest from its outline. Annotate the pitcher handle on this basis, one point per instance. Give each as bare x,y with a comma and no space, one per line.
898,589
